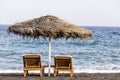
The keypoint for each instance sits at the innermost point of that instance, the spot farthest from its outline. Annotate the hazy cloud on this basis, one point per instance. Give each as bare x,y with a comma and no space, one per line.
81,12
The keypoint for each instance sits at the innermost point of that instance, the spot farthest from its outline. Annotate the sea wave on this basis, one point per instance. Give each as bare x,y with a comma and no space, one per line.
99,54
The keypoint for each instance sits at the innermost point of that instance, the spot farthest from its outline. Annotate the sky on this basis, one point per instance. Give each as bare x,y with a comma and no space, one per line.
80,12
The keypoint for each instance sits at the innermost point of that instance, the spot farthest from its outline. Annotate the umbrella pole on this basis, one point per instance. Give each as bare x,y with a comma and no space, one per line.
49,53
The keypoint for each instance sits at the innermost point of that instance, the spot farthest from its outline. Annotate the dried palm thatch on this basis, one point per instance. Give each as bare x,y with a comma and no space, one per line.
49,26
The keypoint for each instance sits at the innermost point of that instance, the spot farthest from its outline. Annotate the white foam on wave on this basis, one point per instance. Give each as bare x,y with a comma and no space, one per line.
97,71
11,71
75,71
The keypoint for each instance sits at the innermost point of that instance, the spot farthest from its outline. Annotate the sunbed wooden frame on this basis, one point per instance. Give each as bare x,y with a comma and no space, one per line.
63,63
32,62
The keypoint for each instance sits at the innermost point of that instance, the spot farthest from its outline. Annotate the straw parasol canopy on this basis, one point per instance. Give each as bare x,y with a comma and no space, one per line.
49,27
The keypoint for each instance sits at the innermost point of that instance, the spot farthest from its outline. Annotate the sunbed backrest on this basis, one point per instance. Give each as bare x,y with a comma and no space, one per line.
63,61
32,60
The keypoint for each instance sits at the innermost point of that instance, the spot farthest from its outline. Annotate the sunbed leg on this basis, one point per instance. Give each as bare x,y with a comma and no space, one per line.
71,73
41,73
55,73
25,72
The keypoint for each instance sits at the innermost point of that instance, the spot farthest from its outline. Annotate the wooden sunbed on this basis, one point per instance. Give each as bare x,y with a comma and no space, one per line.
32,62
63,63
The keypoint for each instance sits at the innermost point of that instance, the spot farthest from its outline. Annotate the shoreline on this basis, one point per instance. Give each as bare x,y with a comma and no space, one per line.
75,71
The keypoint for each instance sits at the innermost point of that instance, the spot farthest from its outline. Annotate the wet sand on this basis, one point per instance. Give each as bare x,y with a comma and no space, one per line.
77,76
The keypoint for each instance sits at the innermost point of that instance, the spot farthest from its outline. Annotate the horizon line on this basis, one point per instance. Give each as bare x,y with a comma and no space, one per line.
82,25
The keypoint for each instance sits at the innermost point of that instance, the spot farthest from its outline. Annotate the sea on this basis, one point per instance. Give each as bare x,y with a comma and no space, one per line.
100,54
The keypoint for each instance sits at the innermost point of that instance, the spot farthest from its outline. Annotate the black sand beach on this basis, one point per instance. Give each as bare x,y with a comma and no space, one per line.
77,76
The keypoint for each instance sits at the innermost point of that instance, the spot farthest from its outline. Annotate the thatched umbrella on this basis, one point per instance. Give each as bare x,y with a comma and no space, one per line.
49,27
